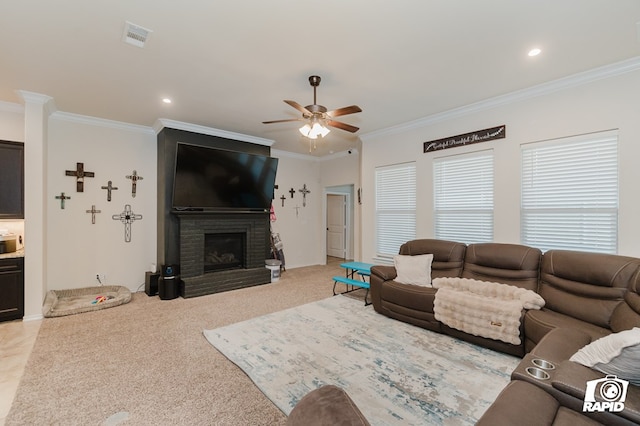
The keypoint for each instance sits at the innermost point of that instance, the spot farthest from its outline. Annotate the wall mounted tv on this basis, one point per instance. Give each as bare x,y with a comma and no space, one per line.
210,179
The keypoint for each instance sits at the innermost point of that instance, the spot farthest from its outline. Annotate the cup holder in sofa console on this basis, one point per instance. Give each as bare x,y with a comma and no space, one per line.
541,363
537,373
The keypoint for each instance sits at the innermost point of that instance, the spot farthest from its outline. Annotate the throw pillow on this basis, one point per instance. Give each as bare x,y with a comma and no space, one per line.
414,269
617,353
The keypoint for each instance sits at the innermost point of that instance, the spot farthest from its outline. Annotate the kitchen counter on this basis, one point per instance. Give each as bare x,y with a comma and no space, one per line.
12,255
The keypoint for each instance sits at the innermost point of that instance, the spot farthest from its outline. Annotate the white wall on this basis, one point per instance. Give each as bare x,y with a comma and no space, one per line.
342,170
299,227
77,249
579,106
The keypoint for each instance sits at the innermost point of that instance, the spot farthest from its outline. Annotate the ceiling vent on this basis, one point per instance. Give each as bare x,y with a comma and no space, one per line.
135,34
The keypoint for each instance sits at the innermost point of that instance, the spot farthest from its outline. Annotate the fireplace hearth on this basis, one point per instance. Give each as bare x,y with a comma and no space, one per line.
222,251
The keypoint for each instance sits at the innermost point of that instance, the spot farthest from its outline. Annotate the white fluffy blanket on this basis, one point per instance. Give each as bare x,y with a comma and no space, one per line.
482,308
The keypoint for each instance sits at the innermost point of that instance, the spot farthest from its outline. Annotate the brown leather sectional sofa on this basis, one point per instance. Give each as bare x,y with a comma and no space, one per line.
587,296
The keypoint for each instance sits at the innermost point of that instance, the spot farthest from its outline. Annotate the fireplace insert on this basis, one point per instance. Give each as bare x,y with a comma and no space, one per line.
224,251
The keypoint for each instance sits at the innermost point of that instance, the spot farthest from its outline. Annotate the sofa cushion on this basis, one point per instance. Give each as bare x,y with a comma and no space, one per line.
503,263
586,286
327,405
617,353
414,270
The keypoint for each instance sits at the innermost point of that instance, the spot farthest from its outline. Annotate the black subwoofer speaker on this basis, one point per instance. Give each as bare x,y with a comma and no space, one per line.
168,287
151,283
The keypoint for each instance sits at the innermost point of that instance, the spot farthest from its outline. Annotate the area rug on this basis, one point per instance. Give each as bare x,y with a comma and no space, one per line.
396,373
59,303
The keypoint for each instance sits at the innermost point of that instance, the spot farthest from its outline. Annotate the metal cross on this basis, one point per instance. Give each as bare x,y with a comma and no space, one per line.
62,197
80,174
134,180
304,191
283,198
292,192
93,212
127,217
109,188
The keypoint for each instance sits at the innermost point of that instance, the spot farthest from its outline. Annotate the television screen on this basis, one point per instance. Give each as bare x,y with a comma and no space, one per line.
212,179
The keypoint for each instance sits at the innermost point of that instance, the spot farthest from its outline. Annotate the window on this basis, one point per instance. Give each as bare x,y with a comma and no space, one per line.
395,208
463,190
570,193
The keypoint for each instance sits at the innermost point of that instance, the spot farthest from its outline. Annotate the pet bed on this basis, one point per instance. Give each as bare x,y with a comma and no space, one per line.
59,303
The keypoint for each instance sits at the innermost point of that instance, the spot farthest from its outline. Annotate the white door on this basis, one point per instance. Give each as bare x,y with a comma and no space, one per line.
336,225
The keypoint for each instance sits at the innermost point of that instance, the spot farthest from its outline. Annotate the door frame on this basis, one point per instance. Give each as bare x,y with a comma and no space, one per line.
347,192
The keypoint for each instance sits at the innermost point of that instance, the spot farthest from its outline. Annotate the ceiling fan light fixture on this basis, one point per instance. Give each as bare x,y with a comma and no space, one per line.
314,129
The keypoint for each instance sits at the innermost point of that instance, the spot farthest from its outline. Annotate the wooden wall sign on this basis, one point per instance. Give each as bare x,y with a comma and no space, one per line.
466,139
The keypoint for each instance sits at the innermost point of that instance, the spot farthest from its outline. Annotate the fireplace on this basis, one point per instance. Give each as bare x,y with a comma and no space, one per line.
224,250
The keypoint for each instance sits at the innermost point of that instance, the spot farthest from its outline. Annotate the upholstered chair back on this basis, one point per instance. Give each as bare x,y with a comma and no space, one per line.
448,256
511,264
590,286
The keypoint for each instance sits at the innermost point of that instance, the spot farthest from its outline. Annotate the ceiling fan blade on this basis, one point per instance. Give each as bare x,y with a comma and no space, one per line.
342,126
298,107
282,121
344,111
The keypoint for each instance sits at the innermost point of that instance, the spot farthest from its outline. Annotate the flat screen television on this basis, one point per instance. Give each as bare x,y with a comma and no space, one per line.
211,179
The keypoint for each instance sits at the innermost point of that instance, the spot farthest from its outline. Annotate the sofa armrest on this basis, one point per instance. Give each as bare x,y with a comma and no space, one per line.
571,379
560,344
384,272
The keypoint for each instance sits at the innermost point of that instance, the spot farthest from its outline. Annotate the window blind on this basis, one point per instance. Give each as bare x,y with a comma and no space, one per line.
395,208
463,191
570,194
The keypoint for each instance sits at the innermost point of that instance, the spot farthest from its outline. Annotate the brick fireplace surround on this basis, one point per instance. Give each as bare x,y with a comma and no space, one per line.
181,234
193,228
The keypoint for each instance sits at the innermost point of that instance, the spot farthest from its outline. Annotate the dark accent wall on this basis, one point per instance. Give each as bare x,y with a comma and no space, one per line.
168,226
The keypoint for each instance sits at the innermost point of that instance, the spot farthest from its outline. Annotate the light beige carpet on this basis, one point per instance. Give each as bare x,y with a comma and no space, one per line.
147,362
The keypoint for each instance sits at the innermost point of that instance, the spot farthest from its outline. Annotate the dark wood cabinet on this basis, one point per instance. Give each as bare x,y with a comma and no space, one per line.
11,180
11,288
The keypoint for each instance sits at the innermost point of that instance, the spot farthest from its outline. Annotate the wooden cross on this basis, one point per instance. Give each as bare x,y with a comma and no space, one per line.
127,217
62,197
304,191
109,188
292,192
80,174
283,198
134,180
93,212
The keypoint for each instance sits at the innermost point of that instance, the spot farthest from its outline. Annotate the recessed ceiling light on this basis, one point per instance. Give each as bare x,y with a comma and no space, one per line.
166,100
534,52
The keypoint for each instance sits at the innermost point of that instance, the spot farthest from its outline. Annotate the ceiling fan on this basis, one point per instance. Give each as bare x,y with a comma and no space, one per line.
317,117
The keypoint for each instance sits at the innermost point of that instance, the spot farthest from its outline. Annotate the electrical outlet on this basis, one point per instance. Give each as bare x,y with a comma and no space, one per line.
101,278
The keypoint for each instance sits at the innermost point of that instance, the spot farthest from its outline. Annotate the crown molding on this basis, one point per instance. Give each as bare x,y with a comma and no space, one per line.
11,107
39,99
102,122
579,79
288,154
279,153
161,123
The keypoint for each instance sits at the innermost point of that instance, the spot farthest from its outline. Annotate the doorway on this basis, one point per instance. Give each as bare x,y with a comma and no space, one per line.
339,221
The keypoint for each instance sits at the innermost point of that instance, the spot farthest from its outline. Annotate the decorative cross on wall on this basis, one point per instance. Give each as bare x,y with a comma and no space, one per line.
109,188
80,174
304,191
127,217
62,197
93,212
292,192
134,180
283,198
